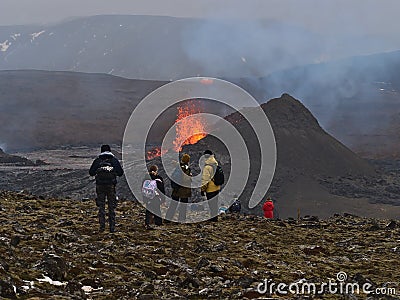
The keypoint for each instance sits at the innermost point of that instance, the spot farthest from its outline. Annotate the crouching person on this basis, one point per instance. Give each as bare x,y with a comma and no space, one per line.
153,195
106,168
268,209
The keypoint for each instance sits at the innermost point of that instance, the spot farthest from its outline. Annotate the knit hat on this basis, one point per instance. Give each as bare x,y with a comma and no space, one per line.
105,148
208,152
185,158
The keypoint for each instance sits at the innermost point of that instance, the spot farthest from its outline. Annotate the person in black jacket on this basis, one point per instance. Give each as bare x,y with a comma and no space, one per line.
180,193
153,208
106,168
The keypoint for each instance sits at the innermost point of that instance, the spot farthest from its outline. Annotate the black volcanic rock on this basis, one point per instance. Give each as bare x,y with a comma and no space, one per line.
55,266
7,289
14,159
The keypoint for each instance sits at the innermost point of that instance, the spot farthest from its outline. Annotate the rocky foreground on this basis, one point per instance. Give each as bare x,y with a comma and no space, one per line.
52,248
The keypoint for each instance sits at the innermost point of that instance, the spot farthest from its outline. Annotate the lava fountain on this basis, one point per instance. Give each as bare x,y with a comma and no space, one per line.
188,131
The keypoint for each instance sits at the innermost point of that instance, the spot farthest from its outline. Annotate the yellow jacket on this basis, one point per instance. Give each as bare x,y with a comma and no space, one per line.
207,185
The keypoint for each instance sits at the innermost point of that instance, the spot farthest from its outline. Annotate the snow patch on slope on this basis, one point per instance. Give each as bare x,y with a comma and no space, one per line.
4,46
36,35
15,35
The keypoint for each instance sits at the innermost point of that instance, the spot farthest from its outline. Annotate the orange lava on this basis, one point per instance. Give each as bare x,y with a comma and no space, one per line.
155,152
189,131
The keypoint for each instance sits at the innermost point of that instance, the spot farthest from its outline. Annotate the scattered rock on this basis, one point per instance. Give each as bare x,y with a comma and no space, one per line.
94,283
55,267
310,219
361,279
147,288
245,281
391,225
7,289
160,250
219,247
191,281
203,262
161,270
75,289
204,291
146,297
375,226
312,250
149,274
64,237
162,264
253,246
251,293
97,264
65,223
348,215
216,269
4,265
238,264
15,240
282,224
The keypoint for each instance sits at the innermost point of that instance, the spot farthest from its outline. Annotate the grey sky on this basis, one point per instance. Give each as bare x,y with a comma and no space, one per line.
365,16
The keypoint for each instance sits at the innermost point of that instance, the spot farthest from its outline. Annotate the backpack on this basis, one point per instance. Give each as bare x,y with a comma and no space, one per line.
149,189
105,171
219,177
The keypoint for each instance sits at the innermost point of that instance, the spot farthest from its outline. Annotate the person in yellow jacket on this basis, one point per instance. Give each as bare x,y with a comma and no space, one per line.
208,187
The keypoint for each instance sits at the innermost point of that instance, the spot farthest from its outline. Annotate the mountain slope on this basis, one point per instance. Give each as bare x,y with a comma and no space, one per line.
41,109
158,48
306,155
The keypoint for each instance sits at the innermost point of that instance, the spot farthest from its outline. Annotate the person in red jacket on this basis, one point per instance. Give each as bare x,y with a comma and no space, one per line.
268,209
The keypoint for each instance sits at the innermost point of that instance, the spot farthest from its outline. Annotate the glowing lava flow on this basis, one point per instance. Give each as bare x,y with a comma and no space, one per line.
155,152
188,131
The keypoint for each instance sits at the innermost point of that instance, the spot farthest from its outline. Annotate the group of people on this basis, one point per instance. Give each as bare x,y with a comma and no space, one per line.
181,190
106,168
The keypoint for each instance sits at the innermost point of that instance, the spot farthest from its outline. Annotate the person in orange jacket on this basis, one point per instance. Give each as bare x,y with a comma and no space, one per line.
268,209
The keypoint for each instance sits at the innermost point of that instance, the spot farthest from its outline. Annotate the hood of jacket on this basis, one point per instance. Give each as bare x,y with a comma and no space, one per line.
106,155
211,161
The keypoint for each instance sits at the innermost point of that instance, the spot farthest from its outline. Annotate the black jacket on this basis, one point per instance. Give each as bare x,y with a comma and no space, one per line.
115,164
160,183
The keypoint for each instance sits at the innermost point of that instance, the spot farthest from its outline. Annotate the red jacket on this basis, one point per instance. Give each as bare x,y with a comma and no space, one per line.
268,209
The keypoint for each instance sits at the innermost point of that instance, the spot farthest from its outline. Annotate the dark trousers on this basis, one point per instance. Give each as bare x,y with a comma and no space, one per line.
103,192
153,209
213,205
181,208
